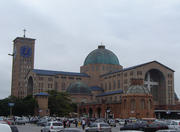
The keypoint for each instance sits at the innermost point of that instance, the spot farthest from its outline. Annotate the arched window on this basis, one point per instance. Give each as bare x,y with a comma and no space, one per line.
133,104
111,99
101,85
97,68
119,84
115,98
150,104
103,68
142,104
105,85
114,85
109,85
63,85
125,104
92,68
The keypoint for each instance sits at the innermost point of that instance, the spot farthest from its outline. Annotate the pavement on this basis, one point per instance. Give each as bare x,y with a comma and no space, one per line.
35,128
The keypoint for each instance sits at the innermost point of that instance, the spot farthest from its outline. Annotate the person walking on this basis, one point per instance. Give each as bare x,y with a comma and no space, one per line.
76,123
83,124
64,123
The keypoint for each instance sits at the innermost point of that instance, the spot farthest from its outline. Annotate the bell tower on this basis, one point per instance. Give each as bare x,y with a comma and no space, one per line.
23,62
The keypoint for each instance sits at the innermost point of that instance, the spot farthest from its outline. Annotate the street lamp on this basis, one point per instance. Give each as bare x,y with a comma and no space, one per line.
10,105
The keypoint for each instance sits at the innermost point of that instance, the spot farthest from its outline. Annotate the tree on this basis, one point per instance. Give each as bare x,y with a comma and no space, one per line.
60,103
23,106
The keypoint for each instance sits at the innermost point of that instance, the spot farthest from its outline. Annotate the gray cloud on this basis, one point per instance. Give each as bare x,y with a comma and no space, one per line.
67,30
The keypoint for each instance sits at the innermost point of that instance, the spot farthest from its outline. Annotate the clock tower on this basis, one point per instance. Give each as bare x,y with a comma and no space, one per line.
23,61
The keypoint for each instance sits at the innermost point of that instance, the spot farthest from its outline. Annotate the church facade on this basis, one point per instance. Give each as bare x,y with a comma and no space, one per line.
102,79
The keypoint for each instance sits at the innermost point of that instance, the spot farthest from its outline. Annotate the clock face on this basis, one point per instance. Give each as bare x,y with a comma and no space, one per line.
25,51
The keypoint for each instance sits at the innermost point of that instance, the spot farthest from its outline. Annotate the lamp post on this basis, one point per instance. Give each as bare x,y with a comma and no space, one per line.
107,113
11,105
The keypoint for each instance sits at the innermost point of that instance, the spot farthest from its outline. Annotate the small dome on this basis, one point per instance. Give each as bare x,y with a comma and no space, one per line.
138,89
78,88
101,56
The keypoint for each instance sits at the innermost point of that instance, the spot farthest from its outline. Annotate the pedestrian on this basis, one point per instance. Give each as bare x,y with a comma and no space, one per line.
76,123
79,123
125,122
83,124
64,123
67,123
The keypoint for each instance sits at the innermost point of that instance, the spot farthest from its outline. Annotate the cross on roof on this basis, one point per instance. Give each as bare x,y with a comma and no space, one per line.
24,30
101,42
150,83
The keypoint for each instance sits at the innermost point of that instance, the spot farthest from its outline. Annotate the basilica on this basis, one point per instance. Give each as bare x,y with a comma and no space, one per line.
102,87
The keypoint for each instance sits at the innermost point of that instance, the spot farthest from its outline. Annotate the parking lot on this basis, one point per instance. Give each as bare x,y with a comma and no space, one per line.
35,128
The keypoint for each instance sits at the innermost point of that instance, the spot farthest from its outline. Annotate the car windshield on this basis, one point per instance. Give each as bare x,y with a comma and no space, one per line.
57,124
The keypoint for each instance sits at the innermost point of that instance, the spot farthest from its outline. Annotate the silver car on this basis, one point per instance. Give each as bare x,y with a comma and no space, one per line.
98,127
53,126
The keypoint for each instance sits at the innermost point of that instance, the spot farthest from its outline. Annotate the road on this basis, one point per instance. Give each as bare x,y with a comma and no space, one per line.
35,128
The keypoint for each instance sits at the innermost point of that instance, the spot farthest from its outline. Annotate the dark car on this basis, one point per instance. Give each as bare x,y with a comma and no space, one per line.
135,126
42,122
155,126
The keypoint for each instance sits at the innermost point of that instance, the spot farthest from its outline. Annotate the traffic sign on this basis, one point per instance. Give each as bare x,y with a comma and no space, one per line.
11,104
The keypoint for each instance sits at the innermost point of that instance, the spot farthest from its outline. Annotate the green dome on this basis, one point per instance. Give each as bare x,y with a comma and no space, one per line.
101,56
138,89
78,88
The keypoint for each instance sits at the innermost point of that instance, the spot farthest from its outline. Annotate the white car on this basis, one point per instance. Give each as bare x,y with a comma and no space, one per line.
168,130
174,124
121,122
20,121
98,127
5,128
53,126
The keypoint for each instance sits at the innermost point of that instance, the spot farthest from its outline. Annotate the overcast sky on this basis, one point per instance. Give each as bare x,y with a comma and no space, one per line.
137,31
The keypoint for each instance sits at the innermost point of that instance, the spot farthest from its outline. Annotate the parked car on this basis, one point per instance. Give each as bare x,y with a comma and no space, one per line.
71,130
20,121
42,122
139,125
168,130
5,128
53,126
14,128
121,122
155,126
112,122
174,124
98,127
